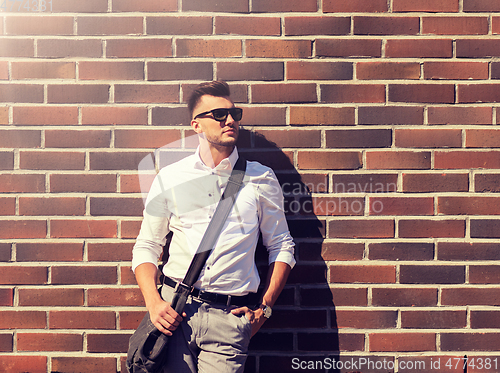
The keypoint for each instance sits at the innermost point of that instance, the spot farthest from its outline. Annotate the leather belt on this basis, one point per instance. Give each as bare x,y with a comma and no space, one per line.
215,298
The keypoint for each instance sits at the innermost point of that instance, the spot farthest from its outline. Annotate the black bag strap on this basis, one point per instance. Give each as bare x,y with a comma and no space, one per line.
212,233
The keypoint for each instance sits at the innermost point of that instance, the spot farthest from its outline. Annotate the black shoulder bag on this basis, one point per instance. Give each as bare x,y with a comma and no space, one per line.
147,346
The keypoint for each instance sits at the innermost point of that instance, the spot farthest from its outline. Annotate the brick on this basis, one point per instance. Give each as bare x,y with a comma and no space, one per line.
345,93
481,6
470,342
361,228
295,26
77,139
5,254
61,48
23,319
394,160
8,206
7,160
46,160
289,138
426,6
49,342
455,25
124,206
477,48
330,342
331,251
4,70
369,138
482,138
115,297
136,183
433,319
353,6
49,252
419,48
264,116
114,115
130,319
484,228
51,297
484,319
390,115
75,94
232,6
364,183
387,70
43,70
414,274
19,363
6,343
116,160
404,342
144,6
428,138
326,206
465,251
366,319
146,93
75,6
23,275
404,297
364,25
495,25
314,115
185,25
431,228
470,296
83,228
478,93
466,160
167,116
126,276
265,71
341,297
269,26
455,70
329,160
180,71
20,93
20,139
460,115
348,48
23,229
124,70
278,48
51,206
374,274
6,297
17,48
495,71
45,115
281,93
401,206
484,274
422,183
152,138
4,115
82,183
71,275
303,70
487,182
139,48
104,25
401,251
71,364
208,48
311,319
110,251
422,93
36,25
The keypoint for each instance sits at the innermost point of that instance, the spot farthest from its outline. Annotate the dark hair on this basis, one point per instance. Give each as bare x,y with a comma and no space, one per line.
216,88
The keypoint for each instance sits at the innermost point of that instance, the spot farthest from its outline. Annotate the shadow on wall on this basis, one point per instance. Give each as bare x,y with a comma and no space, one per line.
303,326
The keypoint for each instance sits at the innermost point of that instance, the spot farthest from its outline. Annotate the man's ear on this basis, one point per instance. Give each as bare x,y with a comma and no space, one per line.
196,126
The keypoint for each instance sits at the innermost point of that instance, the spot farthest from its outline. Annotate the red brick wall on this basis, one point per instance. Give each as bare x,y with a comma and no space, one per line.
385,108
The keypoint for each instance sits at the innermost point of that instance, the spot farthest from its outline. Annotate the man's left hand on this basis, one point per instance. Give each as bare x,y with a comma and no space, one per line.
256,317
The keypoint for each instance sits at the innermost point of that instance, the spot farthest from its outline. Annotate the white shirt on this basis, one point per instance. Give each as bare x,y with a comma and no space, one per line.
183,199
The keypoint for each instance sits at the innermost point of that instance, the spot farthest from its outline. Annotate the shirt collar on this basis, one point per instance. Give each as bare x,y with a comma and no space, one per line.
226,163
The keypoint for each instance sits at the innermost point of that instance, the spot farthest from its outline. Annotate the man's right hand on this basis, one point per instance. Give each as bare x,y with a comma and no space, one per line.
164,317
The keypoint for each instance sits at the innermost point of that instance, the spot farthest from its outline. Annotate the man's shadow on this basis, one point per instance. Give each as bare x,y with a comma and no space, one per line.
303,326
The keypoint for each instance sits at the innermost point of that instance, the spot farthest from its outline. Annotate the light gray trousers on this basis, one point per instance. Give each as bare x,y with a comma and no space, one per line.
210,339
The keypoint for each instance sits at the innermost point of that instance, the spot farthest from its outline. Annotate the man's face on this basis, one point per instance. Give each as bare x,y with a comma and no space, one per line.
216,133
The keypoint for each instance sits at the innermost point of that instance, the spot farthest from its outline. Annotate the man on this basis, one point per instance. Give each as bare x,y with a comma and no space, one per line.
219,320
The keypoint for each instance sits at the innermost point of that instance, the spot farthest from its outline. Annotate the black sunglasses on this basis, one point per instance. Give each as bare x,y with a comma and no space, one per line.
220,115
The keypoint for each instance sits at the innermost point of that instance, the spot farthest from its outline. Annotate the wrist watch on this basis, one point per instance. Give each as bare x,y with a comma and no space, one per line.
267,310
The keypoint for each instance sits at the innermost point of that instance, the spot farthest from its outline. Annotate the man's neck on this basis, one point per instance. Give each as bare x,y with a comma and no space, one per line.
213,155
